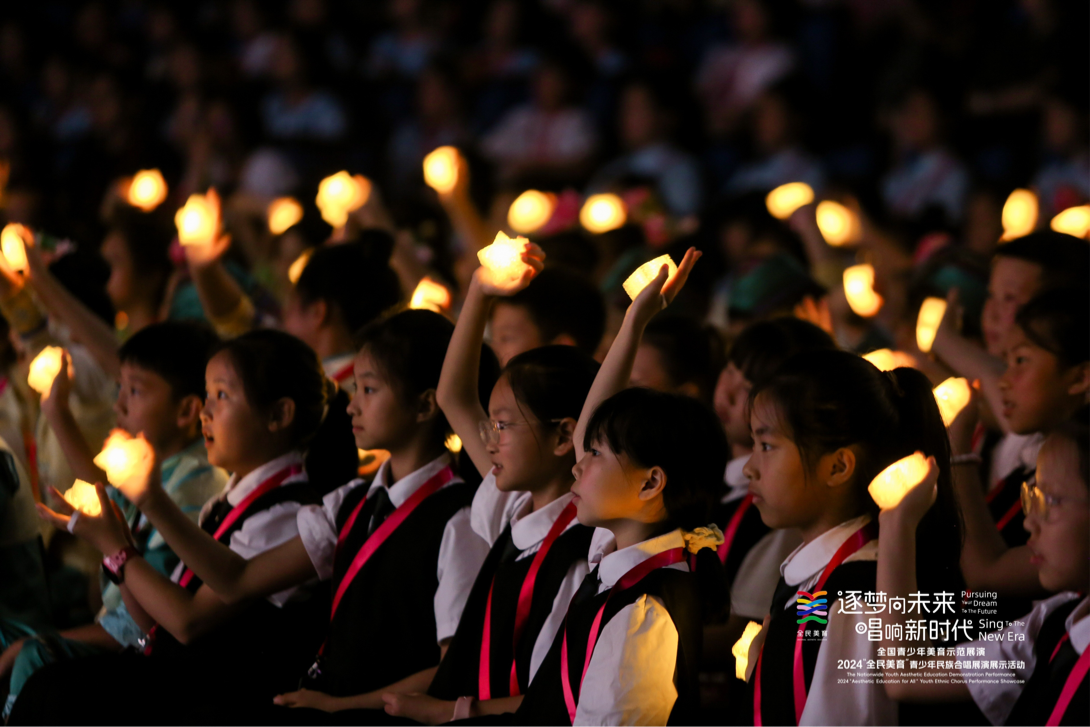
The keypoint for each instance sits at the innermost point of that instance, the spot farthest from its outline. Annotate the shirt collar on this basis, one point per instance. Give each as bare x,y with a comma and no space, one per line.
613,565
190,450
530,528
335,364
238,489
404,488
809,559
1078,626
737,482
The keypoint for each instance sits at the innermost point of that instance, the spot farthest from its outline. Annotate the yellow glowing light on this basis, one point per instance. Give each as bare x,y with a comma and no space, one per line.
147,190
503,259
295,271
838,224
1019,214
952,395
1073,221
340,194
44,368
741,649
602,213
430,295
891,484
927,323
646,273
786,198
441,169
371,460
121,455
530,211
13,247
83,496
282,214
454,443
196,221
887,360
859,290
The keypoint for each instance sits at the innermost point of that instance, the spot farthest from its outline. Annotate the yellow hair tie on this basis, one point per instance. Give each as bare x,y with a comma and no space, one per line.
703,537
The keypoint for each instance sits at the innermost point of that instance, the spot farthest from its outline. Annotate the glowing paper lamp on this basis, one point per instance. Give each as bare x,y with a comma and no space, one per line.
1019,214
887,360
859,290
441,169
927,323
1073,221
295,271
430,295
340,194
283,213
503,259
952,395
44,368
647,272
454,443
83,496
147,190
121,455
740,650
12,246
196,220
530,211
786,198
602,213
838,224
891,484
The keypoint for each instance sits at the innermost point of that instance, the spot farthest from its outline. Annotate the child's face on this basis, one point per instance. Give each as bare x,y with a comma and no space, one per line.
1011,285
1060,540
380,417
777,474
518,446
235,434
607,487
731,394
513,332
145,403
120,286
648,370
1037,391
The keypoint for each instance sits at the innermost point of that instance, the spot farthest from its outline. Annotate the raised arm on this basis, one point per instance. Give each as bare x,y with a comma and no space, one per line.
57,412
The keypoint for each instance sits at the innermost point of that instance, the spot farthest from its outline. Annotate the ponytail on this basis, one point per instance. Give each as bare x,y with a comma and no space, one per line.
332,458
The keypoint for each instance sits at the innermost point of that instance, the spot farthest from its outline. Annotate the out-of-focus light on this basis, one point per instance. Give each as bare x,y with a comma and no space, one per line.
786,198
44,368
12,246
740,650
530,211
295,271
441,169
602,213
430,295
838,224
887,360
1073,221
283,214
927,323
503,259
196,220
1019,214
121,455
341,193
454,443
952,395
147,190
859,290
83,496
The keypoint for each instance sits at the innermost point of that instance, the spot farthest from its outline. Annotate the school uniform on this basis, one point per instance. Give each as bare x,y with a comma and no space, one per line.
396,597
1013,461
339,369
536,563
1037,673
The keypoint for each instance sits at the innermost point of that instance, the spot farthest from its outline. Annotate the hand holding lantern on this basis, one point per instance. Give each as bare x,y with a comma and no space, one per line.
662,289
952,396
105,529
642,276
14,239
129,463
45,368
897,483
508,265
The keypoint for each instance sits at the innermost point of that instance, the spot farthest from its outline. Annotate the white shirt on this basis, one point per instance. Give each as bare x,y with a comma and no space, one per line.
997,699
461,551
492,512
338,365
1010,453
263,530
830,702
630,680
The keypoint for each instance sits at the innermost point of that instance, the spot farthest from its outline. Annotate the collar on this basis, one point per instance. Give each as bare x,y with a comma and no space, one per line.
613,565
530,528
1027,455
404,488
737,482
1078,626
335,365
237,489
809,559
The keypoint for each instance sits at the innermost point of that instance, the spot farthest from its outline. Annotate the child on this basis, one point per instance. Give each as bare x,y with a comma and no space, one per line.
266,396
1042,657
162,385
679,356
824,425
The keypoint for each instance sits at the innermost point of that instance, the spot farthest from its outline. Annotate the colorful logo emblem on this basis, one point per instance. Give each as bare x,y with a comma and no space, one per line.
812,607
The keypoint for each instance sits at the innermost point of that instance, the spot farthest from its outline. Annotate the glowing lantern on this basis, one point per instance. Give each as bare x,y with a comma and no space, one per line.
196,220
740,650
530,211
887,360
838,224
441,169
295,271
44,368
83,496
891,484
283,213
147,190
927,323
859,290
340,194
646,273
786,198
454,443
121,455
952,395
602,213
1019,214
1073,221
503,259
430,295
371,460
12,246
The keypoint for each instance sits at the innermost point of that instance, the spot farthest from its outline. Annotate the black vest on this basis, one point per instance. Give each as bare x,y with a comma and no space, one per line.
384,628
458,674
750,530
1042,690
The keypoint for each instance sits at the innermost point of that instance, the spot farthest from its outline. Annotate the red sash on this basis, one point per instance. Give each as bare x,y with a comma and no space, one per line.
1074,679
344,374
732,527
628,580
859,538
522,612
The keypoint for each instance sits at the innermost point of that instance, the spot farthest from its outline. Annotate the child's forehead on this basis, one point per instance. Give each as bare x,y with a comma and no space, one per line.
765,416
1058,468
134,370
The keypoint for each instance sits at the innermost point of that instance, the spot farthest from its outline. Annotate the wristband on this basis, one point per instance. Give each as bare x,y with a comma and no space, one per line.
114,565
463,708
970,458
71,526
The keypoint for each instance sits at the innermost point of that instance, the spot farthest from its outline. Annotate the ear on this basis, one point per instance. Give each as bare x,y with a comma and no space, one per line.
565,433
563,339
189,413
1080,381
836,469
426,407
654,482
282,414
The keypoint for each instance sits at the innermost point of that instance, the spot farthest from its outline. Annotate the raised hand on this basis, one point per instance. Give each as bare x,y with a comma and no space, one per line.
661,291
532,255
918,500
107,532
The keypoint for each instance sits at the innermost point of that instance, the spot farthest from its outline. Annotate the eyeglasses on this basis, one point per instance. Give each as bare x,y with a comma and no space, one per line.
1037,502
492,432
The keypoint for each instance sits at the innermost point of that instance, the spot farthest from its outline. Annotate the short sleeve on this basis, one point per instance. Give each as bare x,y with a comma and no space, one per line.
492,510
265,531
461,555
755,583
318,529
